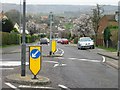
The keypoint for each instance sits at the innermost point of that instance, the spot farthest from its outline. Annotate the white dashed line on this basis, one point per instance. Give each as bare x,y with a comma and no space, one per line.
84,60
10,85
51,61
56,65
72,58
88,60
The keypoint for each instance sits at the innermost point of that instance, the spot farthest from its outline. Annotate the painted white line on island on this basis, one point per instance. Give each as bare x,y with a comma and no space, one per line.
10,85
63,87
40,87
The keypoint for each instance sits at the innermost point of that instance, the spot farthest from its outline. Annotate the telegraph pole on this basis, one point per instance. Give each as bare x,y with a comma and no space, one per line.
23,51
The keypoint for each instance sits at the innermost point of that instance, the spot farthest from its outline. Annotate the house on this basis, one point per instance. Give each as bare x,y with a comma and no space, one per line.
17,27
107,21
3,16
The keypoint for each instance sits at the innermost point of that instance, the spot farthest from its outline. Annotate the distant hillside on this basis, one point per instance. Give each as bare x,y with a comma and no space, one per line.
58,8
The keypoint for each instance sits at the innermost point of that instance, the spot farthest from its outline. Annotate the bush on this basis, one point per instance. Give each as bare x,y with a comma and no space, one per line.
10,38
75,40
13,38
30,39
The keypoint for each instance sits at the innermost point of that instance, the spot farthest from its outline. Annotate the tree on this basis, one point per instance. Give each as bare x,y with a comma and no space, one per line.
7,25
31,27
96,19
13,15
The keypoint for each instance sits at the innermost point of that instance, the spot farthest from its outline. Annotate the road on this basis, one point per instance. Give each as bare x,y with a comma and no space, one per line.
76,69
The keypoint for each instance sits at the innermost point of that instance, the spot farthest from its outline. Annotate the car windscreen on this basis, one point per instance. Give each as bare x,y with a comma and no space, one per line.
85,39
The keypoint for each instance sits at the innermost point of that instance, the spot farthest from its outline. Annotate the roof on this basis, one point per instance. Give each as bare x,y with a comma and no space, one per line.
109,17
2,16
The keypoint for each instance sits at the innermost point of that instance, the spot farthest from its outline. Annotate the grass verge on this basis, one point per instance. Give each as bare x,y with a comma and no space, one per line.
108,49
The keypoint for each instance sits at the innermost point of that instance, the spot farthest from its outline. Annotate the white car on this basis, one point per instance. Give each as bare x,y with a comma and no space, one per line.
85,43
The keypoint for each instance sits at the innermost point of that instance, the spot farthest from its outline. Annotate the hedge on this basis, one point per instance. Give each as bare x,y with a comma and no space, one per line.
13,38
10,38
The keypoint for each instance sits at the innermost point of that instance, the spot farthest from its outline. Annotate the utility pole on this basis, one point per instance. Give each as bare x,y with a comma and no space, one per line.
51,21
23,51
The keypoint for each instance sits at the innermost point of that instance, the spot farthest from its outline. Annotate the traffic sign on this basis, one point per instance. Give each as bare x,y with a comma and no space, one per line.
35,60
53,46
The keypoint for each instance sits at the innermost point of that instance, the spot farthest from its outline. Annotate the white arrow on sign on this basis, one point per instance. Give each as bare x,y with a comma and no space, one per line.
34,54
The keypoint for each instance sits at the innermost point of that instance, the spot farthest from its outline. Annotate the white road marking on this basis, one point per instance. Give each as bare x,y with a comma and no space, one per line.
72,58
56,50
56,65
88,60
51,61
10,85
60,58
84,60
64,87
11,63
62,52
25,86
103,59
6,68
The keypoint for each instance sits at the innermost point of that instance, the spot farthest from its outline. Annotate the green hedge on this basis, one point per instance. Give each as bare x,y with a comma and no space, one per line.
13,38
10,38
30,39
75,40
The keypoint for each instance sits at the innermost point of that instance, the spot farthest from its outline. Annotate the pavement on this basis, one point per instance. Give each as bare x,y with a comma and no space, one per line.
111,58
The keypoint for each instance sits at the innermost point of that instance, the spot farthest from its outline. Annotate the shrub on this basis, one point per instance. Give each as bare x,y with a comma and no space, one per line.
10,38
75,40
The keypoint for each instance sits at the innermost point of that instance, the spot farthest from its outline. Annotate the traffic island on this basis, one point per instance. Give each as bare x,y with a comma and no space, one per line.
28,80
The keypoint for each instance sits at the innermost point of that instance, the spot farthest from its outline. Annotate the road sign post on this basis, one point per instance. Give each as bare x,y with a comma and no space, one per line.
53,46
35,60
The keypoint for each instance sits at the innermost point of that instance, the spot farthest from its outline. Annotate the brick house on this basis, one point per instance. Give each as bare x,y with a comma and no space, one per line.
107,21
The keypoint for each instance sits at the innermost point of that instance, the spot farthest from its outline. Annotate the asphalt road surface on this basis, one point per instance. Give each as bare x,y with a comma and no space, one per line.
76,69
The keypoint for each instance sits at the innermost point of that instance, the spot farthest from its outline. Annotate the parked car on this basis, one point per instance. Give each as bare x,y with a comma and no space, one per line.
85,43
43,41
47,40
64,41
59,40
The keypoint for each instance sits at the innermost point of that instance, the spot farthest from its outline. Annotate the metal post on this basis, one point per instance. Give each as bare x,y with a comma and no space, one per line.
50,33
23,53
118,54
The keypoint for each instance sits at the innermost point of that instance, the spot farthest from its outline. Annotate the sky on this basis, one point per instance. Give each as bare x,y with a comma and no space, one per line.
65,2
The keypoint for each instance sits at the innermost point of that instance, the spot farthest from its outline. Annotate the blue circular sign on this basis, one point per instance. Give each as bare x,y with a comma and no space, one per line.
35,53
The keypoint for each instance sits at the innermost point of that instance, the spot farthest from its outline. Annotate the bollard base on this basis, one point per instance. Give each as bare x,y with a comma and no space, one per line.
50,53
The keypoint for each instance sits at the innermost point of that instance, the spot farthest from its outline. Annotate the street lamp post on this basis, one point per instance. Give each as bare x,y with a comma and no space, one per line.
23,51
118,54
51,21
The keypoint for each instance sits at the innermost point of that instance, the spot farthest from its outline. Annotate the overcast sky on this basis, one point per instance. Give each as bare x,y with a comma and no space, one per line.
66,2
